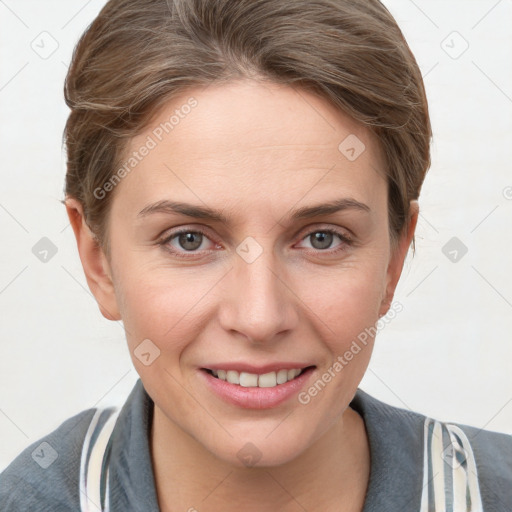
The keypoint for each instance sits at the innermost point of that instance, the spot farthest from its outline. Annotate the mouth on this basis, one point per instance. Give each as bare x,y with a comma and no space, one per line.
254,380
257,390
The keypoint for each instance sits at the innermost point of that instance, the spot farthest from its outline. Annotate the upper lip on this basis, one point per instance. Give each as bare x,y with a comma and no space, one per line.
258,369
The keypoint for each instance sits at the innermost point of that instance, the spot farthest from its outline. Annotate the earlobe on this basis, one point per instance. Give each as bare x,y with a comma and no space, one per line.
94,262
397,260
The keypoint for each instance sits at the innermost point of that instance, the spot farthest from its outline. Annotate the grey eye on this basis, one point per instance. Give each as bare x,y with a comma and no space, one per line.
190,241
321,239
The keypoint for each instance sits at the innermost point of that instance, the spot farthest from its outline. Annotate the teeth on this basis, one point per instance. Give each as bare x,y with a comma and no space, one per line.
233,377
252,380
282,376
247,380
293,373
267,380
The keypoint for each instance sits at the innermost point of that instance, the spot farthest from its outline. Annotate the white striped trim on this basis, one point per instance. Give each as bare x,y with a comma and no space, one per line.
84,506
424,495
470,470
91,468
448,458
438,467
107,493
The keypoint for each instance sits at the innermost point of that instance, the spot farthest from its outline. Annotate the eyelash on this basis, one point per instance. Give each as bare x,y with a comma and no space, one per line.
346,241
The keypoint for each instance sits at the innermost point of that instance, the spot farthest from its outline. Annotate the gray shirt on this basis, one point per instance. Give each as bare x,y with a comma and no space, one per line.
45,476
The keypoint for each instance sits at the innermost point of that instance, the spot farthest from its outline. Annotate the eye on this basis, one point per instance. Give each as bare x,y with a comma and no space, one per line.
322,239
186,241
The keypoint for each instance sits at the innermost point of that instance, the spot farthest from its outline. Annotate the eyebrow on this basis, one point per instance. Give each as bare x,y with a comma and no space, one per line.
202,212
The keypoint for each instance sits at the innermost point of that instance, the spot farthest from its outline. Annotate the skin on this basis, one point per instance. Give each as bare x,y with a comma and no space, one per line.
256,152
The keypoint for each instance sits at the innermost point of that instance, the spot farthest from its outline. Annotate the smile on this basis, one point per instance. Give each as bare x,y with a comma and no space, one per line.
252,380
256,390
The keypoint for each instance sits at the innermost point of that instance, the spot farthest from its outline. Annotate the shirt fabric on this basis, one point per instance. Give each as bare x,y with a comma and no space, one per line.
45,476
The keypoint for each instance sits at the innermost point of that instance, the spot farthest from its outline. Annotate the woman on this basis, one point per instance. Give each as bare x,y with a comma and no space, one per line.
242,183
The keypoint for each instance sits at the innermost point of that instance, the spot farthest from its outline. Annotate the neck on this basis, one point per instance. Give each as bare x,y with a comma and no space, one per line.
330,475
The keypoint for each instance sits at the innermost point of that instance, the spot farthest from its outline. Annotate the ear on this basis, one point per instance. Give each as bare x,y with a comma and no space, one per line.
94,262
397,260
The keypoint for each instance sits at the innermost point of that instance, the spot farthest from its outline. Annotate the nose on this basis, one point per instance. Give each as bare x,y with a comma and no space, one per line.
256,300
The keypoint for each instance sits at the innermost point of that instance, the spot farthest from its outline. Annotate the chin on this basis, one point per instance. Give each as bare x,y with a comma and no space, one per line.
258,451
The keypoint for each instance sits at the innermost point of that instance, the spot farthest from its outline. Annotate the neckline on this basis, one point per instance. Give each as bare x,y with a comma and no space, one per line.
394,436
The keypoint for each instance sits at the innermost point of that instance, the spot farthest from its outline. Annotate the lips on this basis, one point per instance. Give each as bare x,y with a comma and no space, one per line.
249,393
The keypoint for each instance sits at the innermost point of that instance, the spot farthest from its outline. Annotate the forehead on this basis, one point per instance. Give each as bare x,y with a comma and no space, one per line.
251,136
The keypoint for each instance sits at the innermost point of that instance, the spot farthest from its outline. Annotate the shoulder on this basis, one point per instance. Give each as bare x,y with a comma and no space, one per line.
447,452
487,445
495,446
492,452
45,475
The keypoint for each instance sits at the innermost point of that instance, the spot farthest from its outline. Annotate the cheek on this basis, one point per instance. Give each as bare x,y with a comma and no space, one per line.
162,306
348,299
158,332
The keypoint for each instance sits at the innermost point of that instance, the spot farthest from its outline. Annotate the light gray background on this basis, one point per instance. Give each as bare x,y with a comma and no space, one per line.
447,354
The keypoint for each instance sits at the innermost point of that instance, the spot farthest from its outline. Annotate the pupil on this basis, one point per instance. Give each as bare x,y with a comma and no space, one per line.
188,238
322,237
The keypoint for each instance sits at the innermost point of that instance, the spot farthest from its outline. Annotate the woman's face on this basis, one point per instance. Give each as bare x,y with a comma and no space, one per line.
278,282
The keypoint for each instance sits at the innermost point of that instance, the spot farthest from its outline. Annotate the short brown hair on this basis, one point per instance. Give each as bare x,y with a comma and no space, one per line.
138,54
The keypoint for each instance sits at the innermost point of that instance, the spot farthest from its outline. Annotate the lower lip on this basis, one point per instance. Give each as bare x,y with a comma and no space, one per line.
256,397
